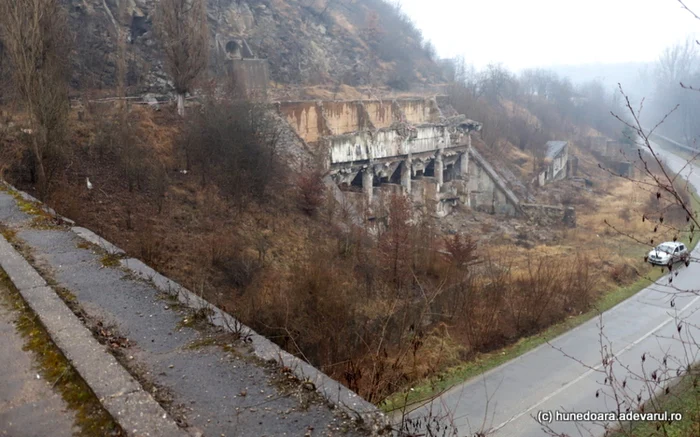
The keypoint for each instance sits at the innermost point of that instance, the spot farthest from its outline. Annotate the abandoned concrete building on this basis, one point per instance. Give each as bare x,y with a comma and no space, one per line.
420,147
250,75
556,162
616,156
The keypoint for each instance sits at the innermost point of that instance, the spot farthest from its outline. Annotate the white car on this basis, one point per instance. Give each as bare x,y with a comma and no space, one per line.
668,253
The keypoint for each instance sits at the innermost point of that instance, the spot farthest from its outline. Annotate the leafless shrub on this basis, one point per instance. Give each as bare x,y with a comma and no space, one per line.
36,39
150,246
119,139
233,143
312,191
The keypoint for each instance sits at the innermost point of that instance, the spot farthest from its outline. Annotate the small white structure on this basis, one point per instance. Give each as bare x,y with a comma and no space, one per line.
556,160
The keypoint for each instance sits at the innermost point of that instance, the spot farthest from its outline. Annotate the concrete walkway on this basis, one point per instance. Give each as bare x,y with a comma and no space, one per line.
207,380
28,405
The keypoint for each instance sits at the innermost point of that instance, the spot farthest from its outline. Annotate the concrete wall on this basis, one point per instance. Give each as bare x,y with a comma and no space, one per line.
305,118
556,168
559,164
314,120
484,192
250,76
343,117
487,190
381,113
418,111
363,146
547,215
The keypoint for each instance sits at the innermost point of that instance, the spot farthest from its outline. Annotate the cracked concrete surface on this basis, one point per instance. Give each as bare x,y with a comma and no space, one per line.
28,405
210,389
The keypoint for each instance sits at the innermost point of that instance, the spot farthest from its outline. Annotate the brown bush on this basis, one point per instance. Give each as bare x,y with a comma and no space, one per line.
312,191
233,143
623,273
662,207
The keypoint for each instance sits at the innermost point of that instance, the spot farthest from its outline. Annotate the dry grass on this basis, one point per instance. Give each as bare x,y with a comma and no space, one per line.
611,246
297,278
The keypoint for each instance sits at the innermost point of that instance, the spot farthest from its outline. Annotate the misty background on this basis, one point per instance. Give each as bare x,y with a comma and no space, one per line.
648,47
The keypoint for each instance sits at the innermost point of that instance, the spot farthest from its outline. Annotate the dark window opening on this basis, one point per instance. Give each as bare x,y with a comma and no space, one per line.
357,182
448,174
430,170
396,175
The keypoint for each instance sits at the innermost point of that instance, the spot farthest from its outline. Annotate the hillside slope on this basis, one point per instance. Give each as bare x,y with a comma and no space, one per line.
307,42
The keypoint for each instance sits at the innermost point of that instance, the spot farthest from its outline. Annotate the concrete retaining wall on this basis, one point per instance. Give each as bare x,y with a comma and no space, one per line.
314,120
548,215
488,191
250,76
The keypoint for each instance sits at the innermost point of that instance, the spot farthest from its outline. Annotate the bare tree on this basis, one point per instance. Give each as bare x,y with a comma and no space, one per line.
36,40
678,62
182,27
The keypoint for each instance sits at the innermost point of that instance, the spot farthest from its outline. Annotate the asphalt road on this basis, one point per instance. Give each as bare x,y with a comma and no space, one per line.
568,375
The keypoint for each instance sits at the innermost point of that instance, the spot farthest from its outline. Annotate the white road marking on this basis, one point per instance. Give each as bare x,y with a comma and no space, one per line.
596,368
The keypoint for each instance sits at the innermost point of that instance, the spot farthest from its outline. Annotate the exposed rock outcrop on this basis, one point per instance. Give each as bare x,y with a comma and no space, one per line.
307,42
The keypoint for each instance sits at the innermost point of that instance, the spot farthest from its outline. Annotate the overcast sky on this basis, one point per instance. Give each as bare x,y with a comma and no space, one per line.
528,33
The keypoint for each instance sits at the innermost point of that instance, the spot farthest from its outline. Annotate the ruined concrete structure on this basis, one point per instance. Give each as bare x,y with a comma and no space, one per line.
615,155
249,74
597,144
556,162
550,215
420,147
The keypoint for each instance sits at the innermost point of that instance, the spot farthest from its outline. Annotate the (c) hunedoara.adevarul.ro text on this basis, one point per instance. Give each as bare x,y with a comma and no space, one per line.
548,416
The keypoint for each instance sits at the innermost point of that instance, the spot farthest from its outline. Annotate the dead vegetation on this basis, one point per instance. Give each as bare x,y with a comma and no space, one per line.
377,313
208,201
35,39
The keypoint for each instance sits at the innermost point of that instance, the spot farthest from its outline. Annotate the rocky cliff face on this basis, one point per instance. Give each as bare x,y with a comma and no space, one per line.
307,42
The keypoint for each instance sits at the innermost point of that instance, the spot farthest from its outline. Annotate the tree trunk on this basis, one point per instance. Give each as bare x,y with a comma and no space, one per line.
181,105
42,181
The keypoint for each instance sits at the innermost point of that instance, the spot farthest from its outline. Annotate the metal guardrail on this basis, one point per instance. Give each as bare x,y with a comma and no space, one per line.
674,143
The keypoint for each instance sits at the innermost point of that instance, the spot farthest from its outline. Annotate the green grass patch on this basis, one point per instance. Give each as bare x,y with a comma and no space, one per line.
683,398
110,260
195,318
9,234
442,382
91,418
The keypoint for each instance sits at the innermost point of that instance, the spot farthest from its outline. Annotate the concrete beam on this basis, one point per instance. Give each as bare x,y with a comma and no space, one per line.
406,173
464,165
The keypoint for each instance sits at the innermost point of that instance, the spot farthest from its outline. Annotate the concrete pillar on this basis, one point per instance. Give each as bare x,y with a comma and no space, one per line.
368,183
464,165
439,168
406,174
